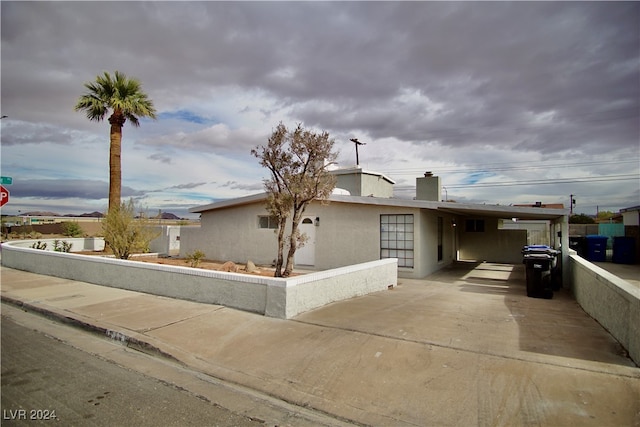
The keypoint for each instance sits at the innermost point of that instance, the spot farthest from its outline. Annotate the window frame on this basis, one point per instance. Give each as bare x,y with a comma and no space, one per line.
474,226
397,238
272,222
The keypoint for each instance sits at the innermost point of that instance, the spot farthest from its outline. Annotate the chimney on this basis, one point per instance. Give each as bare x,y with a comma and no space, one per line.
429,188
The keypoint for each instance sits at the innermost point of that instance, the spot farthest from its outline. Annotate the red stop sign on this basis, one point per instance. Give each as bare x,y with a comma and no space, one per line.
4,196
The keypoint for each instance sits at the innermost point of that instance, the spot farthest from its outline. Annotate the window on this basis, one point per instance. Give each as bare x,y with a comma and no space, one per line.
396,238
474,226
267,222
440,235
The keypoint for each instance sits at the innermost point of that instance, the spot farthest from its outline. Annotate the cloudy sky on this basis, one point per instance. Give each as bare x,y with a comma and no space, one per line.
509,103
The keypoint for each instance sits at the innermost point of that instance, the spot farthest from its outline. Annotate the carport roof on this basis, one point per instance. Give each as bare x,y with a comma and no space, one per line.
460,209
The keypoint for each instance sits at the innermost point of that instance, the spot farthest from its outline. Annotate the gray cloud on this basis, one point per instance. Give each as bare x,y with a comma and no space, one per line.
66,188
161,158
488,65
239,186
187,186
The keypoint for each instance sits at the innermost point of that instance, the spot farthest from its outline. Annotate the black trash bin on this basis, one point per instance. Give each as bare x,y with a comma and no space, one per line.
578,244
541,270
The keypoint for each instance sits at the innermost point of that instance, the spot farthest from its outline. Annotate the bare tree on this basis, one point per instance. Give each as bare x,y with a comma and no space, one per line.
298,162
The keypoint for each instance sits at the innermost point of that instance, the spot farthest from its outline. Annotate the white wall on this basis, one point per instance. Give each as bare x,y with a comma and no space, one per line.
613,302
348,233
275,297
168,240
538,232
231,234
631,218
492,245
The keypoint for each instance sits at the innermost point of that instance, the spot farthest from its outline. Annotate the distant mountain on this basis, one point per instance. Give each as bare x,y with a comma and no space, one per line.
37,213
95,214
167,215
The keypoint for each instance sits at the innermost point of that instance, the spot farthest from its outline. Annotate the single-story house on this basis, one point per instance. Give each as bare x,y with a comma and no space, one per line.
362,222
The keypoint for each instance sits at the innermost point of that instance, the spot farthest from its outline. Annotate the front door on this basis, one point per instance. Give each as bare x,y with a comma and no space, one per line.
306,255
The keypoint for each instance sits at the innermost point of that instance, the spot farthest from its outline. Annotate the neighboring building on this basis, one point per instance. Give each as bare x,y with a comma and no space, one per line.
631,221
543,205
368,224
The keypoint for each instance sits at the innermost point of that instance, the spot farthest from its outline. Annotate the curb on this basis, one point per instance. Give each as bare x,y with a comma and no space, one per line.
114,335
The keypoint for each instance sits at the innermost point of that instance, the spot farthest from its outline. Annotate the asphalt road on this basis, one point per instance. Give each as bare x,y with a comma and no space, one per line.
45,381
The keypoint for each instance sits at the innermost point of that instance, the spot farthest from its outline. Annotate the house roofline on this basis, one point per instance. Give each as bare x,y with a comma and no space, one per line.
238,201
448,207
631,209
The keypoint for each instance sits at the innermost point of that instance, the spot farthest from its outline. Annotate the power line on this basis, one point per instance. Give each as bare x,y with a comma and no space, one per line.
528,166
627,177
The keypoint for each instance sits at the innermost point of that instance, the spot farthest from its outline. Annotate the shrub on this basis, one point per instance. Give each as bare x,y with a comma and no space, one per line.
61,246
581,219
194,258
72,229
124,233
39,245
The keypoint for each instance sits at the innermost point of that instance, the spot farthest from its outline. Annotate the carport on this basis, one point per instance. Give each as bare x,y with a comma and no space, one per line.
479,237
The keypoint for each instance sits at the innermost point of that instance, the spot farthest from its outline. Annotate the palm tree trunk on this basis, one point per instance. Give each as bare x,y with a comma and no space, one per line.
115,163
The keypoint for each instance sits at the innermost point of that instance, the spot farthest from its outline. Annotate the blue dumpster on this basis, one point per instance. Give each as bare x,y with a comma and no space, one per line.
597,248
624,249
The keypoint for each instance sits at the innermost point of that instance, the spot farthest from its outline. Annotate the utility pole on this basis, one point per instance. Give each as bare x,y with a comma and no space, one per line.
571,203
355,141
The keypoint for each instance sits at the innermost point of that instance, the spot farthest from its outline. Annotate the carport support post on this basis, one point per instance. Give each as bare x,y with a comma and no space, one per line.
564,242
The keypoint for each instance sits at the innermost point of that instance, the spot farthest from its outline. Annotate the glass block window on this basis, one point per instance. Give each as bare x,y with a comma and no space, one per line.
396,238
267,222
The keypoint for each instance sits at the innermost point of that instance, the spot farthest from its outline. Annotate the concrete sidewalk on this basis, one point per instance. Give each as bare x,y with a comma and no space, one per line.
463,347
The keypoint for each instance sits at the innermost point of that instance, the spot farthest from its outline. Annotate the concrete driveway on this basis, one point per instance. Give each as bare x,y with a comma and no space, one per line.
466,346
478,307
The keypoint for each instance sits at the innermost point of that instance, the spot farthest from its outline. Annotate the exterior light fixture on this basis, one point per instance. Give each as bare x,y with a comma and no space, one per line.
317,222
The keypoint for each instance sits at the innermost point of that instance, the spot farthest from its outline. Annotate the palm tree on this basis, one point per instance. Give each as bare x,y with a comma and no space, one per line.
125,98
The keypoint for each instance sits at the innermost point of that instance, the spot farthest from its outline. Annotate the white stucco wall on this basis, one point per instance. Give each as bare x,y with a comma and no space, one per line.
275,297
167,241
348,233
492,245
231,234
612,301
631,218
365,184
428,244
